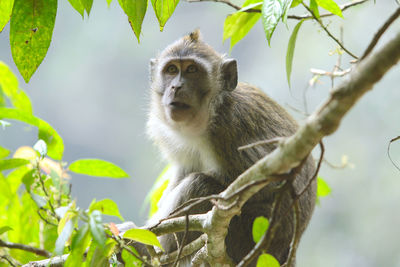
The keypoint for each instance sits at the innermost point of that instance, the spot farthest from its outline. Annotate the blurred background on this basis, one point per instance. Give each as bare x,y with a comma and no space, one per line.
93,89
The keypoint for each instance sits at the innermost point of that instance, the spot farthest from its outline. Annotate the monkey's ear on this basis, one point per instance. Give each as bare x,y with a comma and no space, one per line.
153,63
229,74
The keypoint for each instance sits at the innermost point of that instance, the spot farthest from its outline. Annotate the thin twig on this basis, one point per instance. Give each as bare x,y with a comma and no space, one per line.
262,142
342,7
388,151
37,251
45,191
296,17
328,32
380,32
189,249
297,234
7,258
183,241
332,74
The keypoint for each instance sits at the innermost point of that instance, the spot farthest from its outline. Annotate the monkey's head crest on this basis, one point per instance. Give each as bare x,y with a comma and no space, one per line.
194,36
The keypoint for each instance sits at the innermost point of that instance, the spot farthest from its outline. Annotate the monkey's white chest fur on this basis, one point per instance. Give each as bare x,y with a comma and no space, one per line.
187,151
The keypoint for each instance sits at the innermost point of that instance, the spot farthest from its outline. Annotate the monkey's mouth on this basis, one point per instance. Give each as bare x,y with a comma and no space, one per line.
179,105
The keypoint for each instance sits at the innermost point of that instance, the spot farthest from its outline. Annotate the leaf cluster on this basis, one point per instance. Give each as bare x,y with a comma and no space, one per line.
36,208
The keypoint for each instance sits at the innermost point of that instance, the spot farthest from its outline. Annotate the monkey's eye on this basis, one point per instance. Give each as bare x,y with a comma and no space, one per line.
172,69
191,69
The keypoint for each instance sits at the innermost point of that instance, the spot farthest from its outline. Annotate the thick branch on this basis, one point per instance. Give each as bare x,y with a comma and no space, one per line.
57,261
196,223
37,251
189,249
294,149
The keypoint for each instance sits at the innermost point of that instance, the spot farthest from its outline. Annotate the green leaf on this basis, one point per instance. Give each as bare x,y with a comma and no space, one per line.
39,200
330,6
14,178
78,6
4,152
98,258
314,8
290,50
6,7
143,236
135,10
28,179
80,242
286,7
9,86
323,188
107,207
109,3
164,10
88,5
7,164
271,13
257,5
97,167
31,29
63,237
157,190
238,25
267,260
79,237
129,259
5,229
295,3
97,228
260,226
54,142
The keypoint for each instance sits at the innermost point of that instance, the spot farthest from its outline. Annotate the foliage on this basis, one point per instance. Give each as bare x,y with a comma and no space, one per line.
34,182
35,202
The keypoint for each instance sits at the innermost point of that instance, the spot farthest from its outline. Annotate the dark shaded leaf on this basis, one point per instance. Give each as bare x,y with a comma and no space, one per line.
314,8
31,29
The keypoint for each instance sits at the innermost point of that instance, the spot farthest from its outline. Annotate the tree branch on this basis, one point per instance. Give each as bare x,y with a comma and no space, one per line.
296,17
57,261
328,32
294,149
37,251
380,32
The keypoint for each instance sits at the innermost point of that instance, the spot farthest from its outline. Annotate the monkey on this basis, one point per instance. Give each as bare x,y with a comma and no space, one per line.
199,116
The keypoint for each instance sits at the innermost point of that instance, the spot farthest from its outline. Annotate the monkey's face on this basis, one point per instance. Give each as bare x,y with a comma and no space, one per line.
184,90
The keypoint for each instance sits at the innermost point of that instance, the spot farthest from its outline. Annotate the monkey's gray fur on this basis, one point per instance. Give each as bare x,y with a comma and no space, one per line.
199,116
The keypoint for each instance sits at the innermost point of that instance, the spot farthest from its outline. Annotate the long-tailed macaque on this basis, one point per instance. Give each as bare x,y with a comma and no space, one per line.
199,116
